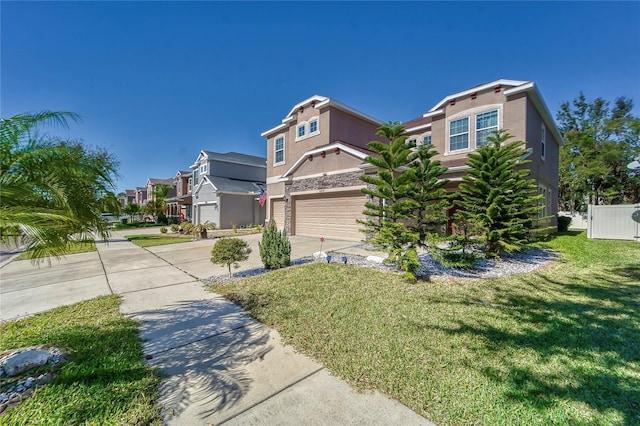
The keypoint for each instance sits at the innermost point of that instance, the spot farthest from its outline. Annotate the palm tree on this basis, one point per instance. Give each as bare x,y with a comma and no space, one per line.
51,190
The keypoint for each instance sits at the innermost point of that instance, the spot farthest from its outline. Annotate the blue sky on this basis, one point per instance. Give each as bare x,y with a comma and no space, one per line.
156,82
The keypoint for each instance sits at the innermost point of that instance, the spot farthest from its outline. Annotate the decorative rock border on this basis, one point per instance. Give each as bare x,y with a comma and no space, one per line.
15,362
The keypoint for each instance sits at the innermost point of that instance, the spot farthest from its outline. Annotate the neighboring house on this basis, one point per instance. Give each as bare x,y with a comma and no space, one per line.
226,188
314,162
141,195
153,182
461,122
179,206
317,154
128,196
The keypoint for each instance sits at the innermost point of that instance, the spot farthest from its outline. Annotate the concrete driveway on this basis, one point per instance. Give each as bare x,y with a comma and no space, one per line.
220,366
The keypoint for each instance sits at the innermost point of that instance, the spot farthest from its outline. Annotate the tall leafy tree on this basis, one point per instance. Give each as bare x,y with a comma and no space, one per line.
131,209
158,206
497,196
600,140
389,206
51,190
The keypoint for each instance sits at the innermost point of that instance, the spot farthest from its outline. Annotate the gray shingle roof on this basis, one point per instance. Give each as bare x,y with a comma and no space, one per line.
233,185
236,157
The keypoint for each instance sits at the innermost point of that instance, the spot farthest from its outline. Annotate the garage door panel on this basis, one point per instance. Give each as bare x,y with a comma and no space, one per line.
277,213
332,215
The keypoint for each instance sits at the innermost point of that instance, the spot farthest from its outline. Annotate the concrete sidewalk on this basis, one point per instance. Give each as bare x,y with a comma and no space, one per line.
222,367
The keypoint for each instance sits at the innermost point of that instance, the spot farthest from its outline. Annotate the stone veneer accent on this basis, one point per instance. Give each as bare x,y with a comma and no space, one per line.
342,180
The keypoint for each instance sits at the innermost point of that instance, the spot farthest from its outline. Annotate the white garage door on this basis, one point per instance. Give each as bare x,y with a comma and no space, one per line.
207,212
277,213
331,215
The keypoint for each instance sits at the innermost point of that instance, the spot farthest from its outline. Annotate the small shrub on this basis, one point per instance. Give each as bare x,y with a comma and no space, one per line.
563,223
174,228
163,229
187,227
210,226
230,251
258,228
275,248
234,227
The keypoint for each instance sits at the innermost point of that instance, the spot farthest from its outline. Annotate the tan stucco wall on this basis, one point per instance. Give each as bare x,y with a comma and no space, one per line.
348,128
330,163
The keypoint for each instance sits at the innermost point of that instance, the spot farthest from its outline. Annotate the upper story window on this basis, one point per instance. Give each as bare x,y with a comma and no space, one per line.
190,184
486,123
203,168
195,177
279,150
307,129
459,134
543,141
426,140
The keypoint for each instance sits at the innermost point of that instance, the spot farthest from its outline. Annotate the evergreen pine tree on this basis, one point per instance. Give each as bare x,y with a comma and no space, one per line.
497,196
389,206
275,247
428,198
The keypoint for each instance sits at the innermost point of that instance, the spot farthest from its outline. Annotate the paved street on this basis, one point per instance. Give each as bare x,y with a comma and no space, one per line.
222,367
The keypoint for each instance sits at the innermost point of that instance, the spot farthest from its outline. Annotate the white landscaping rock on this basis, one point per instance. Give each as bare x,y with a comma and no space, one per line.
375,259
23,361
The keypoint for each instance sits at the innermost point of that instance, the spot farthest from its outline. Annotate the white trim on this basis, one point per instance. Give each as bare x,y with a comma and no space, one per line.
204,203
328,190
457,169
252,193
471,114
317,98
447,148
303,125
433,113
343,148
335,172
275,151
273,130
416,128
201,183
485,86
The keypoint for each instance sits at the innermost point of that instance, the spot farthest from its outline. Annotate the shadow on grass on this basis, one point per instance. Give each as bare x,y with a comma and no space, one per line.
103,382
202,349
583,332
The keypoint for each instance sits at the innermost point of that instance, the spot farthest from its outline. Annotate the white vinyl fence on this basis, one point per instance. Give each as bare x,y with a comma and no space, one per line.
613,222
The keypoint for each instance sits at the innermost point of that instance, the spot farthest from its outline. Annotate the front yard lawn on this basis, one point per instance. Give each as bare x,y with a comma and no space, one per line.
150,240
557,346
104,381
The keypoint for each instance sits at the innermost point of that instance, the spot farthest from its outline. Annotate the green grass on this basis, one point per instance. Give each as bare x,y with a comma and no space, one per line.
135,225
81,246
557,346
150,240
105,381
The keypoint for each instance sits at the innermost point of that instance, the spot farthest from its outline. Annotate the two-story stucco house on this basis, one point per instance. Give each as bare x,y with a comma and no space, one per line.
314,161
317,154
226,188
461,122
179,206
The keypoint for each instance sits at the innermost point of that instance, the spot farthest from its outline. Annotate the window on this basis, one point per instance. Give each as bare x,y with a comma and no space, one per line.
313,126
543,141
412,142
301,130
279,150
459,134
203,168
486,123
190,184
426,140
195,177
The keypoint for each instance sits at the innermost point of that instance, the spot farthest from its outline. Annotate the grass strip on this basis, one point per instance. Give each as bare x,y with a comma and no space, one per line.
558,346
151,240
105,381
80,246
